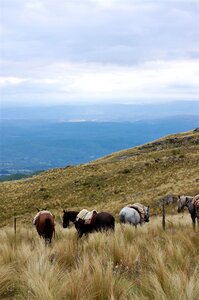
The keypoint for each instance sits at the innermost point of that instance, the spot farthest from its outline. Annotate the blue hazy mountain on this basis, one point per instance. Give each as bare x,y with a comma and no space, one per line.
103,112
31,145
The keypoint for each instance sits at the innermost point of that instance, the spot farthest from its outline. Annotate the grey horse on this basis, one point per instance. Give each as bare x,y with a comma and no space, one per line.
133,216
192,206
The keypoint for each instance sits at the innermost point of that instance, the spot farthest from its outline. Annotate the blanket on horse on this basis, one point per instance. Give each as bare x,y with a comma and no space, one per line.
140,209
86,215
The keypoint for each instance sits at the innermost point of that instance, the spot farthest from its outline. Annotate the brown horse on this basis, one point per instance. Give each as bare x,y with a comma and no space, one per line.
69,216
45,225
100,221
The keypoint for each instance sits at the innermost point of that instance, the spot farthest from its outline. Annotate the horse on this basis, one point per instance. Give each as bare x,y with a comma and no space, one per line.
69,216
131,215
102,221
192,203
45,225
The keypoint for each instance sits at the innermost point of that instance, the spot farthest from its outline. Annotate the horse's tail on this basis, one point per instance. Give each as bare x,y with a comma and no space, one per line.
122,217
48,229
113,224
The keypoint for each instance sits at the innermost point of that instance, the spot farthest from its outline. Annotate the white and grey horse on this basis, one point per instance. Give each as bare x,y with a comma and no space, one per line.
191,205
132,216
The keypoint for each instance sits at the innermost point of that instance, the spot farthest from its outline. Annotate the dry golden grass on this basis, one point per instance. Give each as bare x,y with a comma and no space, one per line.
142,263
146,263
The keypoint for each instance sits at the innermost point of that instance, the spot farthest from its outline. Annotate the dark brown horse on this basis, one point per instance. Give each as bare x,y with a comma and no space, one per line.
45,225
100,221
69,216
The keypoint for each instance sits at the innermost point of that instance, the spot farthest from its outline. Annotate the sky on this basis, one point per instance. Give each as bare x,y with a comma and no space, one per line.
98,51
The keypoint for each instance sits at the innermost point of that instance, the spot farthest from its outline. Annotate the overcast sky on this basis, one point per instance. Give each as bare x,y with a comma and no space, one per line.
87,51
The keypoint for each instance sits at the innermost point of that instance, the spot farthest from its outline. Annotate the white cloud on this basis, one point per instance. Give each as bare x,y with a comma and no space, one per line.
4,81
174,80
98,50
35,5
147,80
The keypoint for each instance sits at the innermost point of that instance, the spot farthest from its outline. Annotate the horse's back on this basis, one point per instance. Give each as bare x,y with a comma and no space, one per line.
129,215
104,219
45,225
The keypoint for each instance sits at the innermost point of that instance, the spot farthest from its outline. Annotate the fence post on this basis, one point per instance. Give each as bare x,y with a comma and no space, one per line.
15,224
163,216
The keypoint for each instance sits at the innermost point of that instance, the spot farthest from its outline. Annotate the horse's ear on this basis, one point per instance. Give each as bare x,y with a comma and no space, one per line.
186,199
38,209
178,196
64,211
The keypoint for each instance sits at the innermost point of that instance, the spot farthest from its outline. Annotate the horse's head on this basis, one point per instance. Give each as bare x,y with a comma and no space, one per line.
65,219
146,216
182,200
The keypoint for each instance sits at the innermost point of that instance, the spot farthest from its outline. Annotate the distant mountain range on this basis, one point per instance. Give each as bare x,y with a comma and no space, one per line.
103,112
29,146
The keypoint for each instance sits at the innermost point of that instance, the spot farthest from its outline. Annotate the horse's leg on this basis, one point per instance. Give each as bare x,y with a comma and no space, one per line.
194,224
113,227
48,242
197,215
193,217
80,233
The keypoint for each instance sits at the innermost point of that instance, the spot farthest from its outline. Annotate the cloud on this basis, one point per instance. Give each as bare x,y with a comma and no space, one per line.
96,48
4,81
155,80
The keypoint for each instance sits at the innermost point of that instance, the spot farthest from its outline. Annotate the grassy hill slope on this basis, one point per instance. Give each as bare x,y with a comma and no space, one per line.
142,174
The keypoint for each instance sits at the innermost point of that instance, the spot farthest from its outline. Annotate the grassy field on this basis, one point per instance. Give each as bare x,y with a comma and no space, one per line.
142,263
142,174
147,263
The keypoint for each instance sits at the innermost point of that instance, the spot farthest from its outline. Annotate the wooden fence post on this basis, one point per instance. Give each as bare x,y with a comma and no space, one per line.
15,224
163,216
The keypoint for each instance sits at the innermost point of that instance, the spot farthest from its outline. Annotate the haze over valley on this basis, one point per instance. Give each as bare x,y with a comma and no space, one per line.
36,139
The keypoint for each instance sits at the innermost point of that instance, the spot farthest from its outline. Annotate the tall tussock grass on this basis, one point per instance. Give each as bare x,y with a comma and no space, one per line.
142,263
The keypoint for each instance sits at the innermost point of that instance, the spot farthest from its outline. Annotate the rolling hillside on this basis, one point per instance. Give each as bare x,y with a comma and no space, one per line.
143,174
